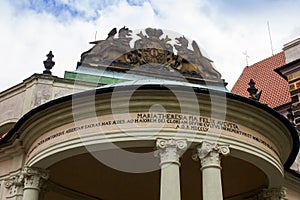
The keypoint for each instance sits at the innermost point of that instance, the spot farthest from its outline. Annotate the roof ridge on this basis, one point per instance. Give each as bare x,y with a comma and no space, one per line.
264,60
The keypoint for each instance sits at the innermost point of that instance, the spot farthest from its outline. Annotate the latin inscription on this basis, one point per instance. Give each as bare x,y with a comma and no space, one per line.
176,121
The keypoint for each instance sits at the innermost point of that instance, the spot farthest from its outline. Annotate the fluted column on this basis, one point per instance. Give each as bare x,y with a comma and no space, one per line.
33,181
170,151
209,155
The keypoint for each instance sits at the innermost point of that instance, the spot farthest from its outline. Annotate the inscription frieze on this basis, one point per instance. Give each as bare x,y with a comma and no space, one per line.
197,124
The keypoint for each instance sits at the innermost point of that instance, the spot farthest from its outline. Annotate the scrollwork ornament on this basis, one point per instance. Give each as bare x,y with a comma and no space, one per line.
273,193
181,144
170,150
152,51
282,194
34,177
14,184
210,153
161,144
14,180
204,149
224,150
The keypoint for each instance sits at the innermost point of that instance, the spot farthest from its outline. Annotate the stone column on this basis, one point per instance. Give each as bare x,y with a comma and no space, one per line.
33,181
170,151
14,184
209,155
273,194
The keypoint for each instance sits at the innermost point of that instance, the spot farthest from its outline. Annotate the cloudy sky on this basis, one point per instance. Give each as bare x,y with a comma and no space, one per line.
223,28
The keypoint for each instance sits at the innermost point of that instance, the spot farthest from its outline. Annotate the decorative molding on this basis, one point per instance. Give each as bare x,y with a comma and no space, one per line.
34,177
152,51
272,194
209,154
14,185
170,150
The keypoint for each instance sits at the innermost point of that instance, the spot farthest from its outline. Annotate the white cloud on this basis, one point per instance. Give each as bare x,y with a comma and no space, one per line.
27,35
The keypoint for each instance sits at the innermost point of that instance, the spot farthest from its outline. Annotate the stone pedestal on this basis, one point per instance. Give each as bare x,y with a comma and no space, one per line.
170,151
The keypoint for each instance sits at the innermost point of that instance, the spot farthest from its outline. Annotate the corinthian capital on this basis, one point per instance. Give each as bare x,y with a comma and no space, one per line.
170,150
14,184
209,154
34,177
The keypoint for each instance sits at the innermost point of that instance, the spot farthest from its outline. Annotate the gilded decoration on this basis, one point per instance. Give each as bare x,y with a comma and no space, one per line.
152,51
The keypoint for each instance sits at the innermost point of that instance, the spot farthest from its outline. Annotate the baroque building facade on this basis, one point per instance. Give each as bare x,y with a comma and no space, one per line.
277,77
143,116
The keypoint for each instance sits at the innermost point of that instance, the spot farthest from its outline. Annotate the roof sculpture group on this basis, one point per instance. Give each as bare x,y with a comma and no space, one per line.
151,52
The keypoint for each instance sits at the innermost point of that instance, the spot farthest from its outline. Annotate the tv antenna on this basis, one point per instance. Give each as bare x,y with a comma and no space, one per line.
270,38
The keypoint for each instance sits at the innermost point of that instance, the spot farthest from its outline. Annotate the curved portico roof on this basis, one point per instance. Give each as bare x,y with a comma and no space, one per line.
155,85
158,75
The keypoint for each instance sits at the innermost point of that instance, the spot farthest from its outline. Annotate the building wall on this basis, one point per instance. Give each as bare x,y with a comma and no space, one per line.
17,101
37,90
34,91
292,50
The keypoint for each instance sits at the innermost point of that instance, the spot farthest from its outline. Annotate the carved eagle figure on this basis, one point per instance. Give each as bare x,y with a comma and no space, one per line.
112,33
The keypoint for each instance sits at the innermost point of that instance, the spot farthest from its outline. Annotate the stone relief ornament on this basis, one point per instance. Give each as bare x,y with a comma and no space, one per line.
29,177
111,50
210,153
170,150
34,177
14,184
273,193
152,51
192,61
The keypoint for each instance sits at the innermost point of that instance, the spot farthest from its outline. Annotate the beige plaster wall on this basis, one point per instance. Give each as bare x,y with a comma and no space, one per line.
32,92
17,101
292,50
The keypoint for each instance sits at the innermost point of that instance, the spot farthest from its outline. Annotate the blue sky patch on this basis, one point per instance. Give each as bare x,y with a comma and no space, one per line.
136,2
58,8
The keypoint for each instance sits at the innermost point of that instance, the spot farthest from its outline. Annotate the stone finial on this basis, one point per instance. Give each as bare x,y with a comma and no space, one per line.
290,116
49,63
253,91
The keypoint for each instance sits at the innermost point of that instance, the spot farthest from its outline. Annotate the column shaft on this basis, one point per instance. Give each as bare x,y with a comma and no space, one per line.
209,155
170,151
31,194
170,182
212,185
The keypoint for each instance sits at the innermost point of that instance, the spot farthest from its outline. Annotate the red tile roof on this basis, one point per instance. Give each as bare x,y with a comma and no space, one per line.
275,90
